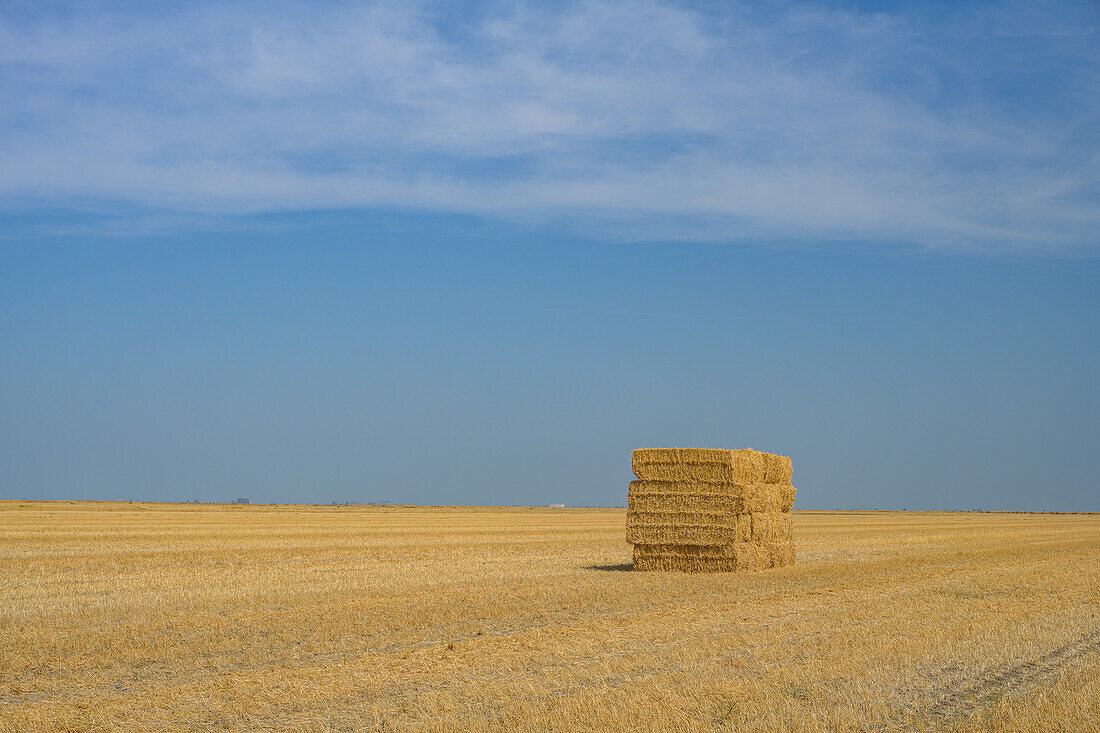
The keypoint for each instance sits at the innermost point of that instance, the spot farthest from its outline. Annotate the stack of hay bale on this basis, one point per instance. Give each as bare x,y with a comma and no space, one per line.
700,509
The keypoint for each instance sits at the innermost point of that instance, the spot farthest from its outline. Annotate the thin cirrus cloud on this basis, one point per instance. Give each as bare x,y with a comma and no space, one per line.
970,128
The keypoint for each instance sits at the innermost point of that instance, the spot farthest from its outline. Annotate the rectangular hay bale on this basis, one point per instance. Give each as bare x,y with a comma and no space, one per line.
777,469
770,498
780,554
653,528
734,557
742,527
699,464
771,527
709,497
684,528
681,496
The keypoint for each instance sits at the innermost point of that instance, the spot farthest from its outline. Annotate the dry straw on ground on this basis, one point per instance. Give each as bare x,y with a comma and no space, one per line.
701,509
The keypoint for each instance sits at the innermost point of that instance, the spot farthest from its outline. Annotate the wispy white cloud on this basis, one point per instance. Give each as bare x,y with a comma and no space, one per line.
977,130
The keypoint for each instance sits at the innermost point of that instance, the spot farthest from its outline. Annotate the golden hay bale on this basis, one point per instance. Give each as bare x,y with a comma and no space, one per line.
770,498
780,554
682,496
742,527
670,534
777,469
706,497
699,464
734,557
687,528
770,526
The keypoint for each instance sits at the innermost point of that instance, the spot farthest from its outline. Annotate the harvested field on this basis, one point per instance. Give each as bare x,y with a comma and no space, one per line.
141,617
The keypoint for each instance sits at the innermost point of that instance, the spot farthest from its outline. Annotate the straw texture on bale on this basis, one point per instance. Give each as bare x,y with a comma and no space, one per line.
770,526
734,557
780,554
699,464
708,530
709,497
777,469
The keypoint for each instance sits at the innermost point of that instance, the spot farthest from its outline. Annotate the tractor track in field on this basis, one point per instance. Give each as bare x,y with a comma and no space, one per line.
954,701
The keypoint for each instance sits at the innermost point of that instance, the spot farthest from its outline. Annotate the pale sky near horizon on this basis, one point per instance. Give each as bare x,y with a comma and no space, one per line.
477,252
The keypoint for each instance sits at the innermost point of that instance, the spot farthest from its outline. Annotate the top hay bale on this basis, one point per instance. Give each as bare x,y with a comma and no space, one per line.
777,469
715,465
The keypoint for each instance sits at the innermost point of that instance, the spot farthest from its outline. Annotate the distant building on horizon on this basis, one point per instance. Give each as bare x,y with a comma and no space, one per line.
242,500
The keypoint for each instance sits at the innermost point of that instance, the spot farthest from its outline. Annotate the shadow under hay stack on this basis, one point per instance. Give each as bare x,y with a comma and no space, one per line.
709,510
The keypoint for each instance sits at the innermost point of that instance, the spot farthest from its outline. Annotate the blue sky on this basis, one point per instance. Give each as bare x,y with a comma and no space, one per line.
448,253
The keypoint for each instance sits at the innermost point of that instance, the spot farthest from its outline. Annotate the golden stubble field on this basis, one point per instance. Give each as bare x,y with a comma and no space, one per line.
139,617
